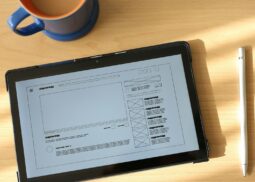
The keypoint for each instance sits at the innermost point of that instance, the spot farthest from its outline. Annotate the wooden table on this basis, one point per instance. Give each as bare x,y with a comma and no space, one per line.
214,28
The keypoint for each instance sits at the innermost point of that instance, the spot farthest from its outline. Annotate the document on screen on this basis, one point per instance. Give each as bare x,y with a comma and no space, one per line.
105,116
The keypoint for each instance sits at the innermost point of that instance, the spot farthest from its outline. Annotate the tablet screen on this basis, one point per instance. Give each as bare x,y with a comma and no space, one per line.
105,116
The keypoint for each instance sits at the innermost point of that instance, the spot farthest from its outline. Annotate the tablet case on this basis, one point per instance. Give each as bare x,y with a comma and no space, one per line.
103,56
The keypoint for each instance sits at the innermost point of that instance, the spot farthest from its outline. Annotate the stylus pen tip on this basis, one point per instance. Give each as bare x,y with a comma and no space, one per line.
244,169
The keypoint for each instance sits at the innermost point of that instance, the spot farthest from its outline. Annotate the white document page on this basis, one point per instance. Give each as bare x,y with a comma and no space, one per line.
105,116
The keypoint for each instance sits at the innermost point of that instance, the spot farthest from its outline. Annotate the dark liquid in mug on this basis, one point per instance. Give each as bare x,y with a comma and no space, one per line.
52,8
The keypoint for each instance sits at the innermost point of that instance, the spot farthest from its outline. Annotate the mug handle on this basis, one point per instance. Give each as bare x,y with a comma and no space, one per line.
17,17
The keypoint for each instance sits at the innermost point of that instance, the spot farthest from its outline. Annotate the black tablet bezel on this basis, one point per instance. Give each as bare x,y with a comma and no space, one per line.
123,57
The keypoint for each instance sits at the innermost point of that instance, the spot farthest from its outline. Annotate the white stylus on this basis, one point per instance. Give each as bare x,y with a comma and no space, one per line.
243,112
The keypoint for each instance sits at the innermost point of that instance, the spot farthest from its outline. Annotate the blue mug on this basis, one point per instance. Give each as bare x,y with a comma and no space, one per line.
70,26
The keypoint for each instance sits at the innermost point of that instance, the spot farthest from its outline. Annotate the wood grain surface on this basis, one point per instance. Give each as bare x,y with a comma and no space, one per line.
214,28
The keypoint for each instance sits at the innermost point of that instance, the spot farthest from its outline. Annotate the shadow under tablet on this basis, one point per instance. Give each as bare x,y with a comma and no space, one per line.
216,139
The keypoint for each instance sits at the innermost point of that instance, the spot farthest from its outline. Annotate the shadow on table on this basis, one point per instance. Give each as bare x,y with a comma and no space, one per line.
217,141
250,107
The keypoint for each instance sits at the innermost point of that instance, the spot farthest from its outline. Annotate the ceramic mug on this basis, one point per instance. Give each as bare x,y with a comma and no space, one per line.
69,26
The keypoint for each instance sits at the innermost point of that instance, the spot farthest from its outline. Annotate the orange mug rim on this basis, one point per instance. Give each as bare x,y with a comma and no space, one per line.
45,17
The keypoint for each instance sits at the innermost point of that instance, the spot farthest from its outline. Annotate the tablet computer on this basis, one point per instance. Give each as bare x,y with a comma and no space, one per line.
106,114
